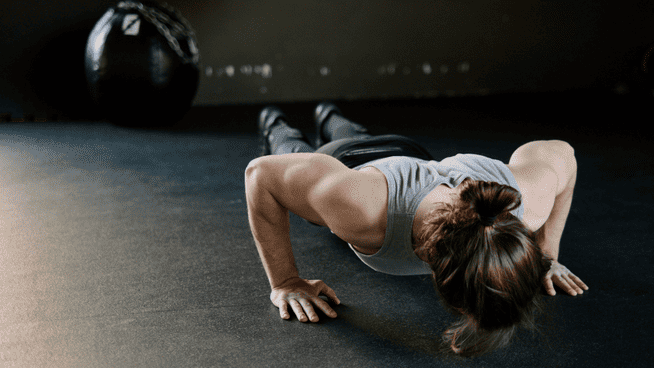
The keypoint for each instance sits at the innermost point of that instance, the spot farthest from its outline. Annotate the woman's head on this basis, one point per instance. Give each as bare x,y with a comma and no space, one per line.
486,266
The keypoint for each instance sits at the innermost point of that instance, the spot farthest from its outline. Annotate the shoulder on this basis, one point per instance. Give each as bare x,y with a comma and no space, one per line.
355,198
303,183
542,170
537,158
538,183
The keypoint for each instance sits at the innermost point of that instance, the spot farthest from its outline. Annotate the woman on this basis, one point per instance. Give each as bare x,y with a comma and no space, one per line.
487,232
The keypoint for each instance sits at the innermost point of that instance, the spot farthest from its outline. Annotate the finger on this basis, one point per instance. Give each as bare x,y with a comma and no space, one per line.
330,294
297,308
578,281
563,284
573,285
324,307
283,309
308,308
549,287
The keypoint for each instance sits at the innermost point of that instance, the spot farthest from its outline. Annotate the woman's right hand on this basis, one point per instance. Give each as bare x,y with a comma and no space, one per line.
302,295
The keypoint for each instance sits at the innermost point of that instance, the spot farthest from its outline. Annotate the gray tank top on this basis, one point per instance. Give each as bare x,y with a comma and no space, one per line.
409,181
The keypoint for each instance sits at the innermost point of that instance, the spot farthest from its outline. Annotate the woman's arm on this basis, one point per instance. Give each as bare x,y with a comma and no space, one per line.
546,171
549,171
549,235
269,223
274,186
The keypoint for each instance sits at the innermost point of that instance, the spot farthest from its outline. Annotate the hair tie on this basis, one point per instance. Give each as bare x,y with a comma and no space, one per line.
487,220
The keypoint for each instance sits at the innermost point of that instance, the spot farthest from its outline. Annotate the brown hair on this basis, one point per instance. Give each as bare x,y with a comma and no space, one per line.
487,267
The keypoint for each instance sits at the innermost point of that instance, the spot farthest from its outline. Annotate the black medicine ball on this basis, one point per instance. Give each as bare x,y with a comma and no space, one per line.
142,64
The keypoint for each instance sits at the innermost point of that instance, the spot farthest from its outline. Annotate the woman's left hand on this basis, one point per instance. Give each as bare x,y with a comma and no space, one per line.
564,279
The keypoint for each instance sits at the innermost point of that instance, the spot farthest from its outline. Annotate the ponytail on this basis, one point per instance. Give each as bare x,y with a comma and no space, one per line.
487,267
490,200
465,338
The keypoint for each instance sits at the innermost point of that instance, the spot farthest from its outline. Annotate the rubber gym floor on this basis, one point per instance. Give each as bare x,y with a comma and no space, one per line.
126,247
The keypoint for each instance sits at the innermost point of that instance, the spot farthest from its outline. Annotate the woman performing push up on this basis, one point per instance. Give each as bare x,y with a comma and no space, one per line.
487,232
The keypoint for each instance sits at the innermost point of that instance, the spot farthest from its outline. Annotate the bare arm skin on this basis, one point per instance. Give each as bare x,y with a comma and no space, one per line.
549,235
316,187
548,172
311,186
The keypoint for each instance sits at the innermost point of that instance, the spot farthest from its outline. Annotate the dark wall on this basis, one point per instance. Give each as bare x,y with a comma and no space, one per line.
343,49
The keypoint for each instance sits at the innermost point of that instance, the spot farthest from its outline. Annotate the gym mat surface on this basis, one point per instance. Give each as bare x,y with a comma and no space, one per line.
129,247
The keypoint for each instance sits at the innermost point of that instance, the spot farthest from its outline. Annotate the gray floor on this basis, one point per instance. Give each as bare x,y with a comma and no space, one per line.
126,247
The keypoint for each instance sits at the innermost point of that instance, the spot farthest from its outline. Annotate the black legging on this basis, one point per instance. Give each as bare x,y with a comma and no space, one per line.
349,142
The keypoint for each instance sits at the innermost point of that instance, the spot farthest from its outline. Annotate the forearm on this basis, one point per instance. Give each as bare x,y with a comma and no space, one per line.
549,235
270,226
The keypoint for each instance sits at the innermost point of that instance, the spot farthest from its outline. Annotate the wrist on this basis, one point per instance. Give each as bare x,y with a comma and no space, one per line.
289,281
549,247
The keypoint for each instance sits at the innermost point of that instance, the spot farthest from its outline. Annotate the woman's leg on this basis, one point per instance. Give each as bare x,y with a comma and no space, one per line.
337,127
350,143
284,139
